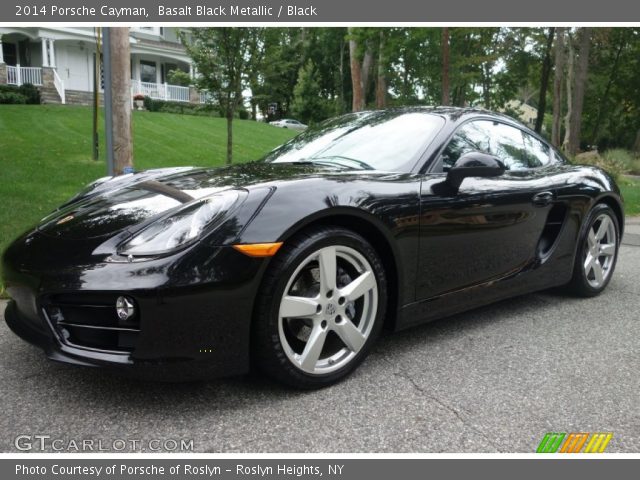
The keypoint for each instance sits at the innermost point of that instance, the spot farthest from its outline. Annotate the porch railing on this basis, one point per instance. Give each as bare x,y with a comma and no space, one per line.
20,75
160,91
59,84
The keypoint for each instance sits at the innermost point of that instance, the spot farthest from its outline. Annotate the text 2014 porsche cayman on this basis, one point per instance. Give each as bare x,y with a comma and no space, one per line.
296,262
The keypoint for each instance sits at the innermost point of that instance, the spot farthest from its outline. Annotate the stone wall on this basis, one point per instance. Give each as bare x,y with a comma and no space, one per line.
78,97
3,73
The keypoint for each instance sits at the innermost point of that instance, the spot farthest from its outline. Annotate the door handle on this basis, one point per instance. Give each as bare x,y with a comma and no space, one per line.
542,199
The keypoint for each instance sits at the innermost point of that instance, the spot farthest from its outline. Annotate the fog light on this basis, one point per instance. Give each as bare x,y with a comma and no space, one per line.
125,308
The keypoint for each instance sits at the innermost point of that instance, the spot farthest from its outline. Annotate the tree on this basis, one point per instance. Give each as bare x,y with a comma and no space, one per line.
358,101
308,105
381,78
221,56
121,99
580,64
544,81
445,66
558,78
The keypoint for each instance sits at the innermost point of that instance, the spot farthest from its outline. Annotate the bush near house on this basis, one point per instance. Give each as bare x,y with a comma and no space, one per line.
183,108
12,94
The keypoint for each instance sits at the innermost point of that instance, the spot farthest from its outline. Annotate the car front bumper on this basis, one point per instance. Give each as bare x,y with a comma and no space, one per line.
190,326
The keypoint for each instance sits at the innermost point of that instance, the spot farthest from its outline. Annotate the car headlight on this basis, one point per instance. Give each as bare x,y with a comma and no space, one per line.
181,227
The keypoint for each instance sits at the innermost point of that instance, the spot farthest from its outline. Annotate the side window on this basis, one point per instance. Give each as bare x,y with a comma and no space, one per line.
539,152
507,144
517,149
472,136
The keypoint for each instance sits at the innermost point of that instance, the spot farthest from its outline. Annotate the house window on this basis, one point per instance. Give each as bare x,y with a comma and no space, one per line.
148,71
10,53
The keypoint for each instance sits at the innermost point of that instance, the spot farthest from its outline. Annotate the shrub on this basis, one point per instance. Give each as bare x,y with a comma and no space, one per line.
31,93
614,166
180,78
12,98
153,105
624,157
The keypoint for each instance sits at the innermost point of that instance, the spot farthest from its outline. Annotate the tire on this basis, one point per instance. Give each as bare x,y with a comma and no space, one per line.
601,234
337,320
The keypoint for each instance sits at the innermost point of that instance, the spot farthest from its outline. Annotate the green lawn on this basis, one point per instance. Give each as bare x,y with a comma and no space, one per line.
631,193
45,153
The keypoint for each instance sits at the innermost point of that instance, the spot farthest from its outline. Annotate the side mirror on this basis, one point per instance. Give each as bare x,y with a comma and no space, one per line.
474,164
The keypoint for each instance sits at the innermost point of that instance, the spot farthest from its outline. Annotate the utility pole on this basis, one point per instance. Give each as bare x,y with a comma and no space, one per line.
106,71
96,94
118,100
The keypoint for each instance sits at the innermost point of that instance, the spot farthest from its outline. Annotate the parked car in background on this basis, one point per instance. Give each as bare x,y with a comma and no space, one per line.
289,123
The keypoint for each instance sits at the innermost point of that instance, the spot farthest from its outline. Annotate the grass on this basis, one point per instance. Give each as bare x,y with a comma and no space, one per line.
45,153
630,189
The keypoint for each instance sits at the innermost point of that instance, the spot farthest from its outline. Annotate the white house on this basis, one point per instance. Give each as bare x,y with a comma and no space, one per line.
61,62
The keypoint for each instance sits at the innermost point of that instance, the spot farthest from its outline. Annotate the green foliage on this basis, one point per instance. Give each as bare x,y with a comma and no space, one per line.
12,98
184,108
614,165
12,94
308,106
31,93
629,160
178,77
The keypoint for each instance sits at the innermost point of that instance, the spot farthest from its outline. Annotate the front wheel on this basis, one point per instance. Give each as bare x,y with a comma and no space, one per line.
597,252
320,309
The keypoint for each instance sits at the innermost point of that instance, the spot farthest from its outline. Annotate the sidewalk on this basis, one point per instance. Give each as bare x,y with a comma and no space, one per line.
632,231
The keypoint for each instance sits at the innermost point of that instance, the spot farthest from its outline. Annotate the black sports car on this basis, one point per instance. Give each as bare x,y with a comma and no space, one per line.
296,262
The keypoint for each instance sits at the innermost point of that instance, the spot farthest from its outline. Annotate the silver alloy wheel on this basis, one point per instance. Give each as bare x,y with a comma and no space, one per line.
600,249
340,301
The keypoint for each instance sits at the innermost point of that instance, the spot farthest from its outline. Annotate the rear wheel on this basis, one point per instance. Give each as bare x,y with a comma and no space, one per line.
597,252
320,309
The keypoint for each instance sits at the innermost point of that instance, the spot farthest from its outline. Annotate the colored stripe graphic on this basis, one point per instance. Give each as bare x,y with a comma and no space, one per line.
550,443
598,442
574,442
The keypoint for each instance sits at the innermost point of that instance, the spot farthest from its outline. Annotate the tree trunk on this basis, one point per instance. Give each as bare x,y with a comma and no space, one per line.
636,144
381,80
569,81
229,135
445,66
558,77
367,67
544,81
356,75
579,84
121,99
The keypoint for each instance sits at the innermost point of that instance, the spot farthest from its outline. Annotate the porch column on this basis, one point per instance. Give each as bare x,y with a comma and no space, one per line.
52,53
1,53
191,71
45,55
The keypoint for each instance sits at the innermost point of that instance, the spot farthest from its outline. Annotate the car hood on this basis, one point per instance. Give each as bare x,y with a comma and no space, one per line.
109,209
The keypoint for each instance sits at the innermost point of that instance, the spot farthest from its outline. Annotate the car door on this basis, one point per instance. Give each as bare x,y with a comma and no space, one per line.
490,227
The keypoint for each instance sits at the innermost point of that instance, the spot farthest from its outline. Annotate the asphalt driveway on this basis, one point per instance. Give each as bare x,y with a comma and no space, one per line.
492,380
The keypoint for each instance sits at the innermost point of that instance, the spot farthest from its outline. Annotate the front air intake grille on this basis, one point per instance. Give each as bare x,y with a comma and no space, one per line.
90,321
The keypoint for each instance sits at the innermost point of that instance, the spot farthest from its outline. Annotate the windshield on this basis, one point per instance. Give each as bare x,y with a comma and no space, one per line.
383,140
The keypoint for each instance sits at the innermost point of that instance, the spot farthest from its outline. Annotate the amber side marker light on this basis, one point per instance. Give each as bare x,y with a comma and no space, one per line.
259,249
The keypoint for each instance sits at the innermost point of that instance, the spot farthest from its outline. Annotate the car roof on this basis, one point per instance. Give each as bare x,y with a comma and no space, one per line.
451,113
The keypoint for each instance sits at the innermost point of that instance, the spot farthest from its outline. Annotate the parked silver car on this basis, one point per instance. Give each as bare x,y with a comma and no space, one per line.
289,123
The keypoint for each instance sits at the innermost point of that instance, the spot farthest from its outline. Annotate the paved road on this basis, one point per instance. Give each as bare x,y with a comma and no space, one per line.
492,380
